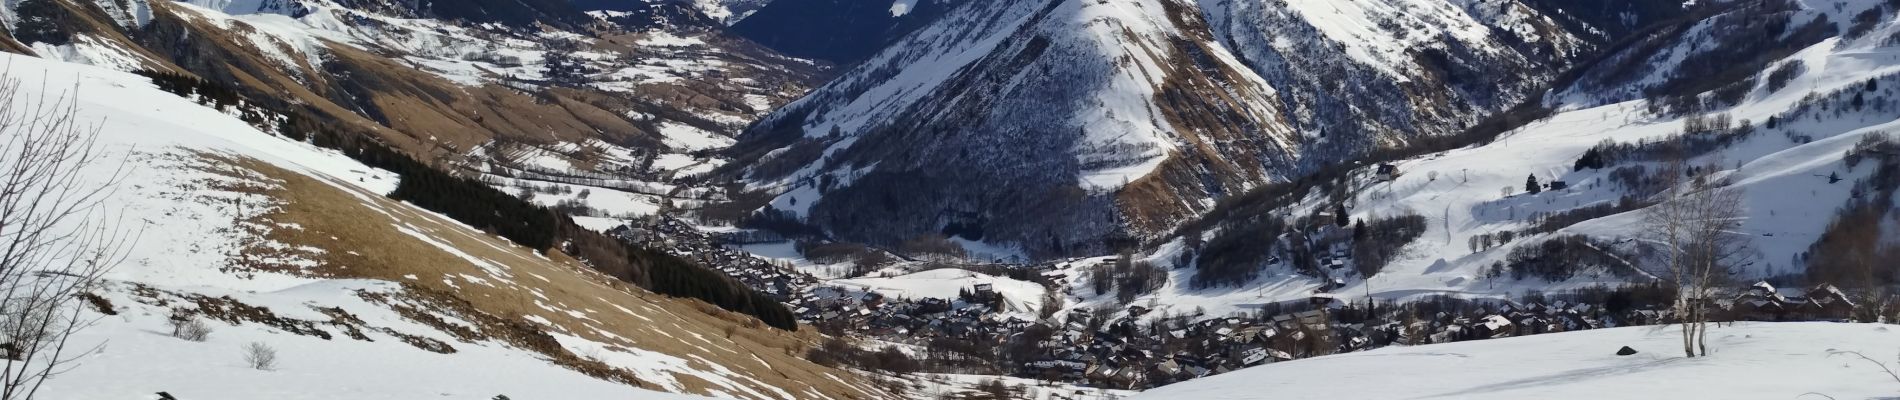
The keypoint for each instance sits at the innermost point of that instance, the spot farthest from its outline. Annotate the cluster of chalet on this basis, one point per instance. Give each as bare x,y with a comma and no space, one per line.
909,319
1126,354
679,239
1764,302
1328,251
1515,319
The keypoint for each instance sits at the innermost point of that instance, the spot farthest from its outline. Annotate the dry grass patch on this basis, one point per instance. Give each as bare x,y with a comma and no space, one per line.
503,287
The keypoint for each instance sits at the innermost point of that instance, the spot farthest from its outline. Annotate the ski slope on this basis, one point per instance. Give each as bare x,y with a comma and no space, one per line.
1749,361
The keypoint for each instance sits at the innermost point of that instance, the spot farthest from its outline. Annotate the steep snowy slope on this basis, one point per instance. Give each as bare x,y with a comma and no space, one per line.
1750,361
1085,122
1782,142
274,241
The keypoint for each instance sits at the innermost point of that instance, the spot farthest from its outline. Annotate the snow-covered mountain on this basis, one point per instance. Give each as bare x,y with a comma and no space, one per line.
1240,155
1062,126
266,239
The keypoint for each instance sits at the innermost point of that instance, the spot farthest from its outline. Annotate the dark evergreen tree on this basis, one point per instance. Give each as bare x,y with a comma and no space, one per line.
1098,277
1531,185
1339,215
1375,245
1591,159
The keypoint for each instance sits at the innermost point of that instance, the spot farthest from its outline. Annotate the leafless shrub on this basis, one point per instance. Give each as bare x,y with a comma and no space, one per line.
58,238
191,329
260,356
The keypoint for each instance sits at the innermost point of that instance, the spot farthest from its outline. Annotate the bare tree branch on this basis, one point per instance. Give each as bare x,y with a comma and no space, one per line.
56,239
1697,225
1883,366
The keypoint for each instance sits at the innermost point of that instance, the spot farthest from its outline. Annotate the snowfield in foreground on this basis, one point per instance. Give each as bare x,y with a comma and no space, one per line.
1749,361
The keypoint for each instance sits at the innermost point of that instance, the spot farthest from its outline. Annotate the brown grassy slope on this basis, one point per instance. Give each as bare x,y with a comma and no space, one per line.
7,44
426,108
420,113
361,235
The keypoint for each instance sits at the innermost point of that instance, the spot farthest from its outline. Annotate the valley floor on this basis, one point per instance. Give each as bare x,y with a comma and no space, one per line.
1749,361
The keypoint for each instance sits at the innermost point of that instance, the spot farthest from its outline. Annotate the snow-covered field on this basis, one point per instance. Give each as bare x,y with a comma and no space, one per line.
1749,361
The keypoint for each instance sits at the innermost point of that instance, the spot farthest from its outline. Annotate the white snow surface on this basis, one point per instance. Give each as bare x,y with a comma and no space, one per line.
1749,361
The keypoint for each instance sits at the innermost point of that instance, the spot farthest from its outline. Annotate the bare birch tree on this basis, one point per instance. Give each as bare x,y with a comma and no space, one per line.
1696,226
1664,226
58,240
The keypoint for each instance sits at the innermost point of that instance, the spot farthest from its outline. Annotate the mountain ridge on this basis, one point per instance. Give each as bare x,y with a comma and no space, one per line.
1202,105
